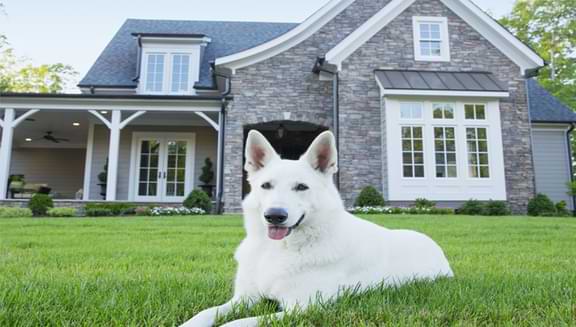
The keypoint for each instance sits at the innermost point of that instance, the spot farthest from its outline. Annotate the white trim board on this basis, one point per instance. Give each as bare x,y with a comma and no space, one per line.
286,41
503,40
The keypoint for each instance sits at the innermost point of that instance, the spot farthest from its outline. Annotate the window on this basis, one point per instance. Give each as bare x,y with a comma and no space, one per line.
412,152
180,73
155,72
445,152
443,111
410,110
477,141
475,111
431,39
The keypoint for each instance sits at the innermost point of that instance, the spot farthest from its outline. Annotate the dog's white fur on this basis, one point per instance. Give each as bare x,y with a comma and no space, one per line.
329,251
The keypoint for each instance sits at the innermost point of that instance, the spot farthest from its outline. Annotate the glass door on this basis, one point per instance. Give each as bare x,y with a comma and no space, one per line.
164,167
149,173
176,171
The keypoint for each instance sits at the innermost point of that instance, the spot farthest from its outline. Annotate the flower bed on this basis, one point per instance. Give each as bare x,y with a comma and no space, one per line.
176,211
400,211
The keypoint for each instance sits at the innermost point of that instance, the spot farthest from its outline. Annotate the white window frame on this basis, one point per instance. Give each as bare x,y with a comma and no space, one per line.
412,152
444,38
460,188
193,73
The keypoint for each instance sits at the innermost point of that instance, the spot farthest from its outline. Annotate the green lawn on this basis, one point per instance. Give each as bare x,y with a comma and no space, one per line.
161,271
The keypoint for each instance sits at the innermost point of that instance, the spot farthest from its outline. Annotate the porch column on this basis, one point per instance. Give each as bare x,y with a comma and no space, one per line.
115,125
6,150
8,124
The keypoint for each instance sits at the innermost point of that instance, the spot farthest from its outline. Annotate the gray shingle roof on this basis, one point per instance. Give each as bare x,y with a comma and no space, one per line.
116,66
439,81
544,107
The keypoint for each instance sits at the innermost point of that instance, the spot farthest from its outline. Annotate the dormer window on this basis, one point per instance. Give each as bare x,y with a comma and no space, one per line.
170,63
431,39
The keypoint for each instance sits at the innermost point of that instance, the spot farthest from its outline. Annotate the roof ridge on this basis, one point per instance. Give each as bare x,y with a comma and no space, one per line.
206,21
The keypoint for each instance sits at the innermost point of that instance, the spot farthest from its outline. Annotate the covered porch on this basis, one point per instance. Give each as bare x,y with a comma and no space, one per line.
134,148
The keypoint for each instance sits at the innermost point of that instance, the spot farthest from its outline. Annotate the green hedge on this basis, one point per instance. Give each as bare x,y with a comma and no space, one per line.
9,212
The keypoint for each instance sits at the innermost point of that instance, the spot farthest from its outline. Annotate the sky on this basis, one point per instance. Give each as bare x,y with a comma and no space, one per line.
74,32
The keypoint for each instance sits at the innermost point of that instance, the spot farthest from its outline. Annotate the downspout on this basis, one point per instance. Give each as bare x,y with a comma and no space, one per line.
570,162
222,137
318,68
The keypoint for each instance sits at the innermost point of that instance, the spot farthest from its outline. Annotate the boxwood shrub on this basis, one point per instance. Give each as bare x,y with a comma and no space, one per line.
9,212
40,203
369,197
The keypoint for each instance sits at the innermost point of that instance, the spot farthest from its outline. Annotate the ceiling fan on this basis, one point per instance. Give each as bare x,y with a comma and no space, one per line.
50,137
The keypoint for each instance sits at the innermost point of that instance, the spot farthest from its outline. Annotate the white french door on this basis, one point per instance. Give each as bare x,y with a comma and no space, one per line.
163,166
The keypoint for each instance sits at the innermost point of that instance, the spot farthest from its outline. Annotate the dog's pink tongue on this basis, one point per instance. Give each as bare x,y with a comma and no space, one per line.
277,233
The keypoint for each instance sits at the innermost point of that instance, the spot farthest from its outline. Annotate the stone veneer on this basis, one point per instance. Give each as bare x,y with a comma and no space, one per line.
265,91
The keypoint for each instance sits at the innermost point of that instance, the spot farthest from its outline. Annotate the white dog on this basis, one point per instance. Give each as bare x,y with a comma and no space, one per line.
301,244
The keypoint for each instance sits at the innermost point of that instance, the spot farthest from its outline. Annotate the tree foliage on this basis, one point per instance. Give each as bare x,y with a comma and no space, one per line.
549,27
18,75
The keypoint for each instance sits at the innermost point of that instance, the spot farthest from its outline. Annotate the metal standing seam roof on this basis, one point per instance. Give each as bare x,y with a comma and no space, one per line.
439,81
117,64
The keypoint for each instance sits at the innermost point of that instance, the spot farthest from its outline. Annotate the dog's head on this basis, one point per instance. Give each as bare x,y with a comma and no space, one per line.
288,194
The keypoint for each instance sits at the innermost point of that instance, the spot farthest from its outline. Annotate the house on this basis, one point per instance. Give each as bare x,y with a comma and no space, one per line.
427,98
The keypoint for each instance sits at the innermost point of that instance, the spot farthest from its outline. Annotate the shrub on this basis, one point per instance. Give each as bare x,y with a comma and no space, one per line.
143,211
541,205
369,197
99,212
472,207
198,199
422,203
441,211
117,209
40,203
62,212
496,208
562,209
8,212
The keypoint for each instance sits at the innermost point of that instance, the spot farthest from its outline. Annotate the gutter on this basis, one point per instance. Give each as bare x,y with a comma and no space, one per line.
319,67
221,138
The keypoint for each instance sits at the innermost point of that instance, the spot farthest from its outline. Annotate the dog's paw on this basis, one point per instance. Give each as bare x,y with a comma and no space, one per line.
205,318
248,322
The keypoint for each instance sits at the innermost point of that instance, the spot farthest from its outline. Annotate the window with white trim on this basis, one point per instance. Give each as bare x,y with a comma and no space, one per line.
412,152
445,152
169,71
443,111
180,73
155,72
475,111
477,144
431,42
410,111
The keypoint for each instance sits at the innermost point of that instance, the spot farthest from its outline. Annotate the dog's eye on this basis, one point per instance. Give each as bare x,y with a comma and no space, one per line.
266,186
301,187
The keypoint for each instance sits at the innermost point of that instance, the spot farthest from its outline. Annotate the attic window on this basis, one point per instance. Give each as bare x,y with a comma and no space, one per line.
170,63
431,39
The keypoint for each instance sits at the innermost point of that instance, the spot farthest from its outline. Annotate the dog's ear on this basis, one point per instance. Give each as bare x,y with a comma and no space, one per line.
259,152
322,154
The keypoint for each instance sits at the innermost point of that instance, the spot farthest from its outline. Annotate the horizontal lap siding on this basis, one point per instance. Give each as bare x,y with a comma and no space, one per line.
206,147
61,169
551,164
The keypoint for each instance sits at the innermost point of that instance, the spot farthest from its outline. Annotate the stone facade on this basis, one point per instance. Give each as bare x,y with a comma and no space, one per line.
285,83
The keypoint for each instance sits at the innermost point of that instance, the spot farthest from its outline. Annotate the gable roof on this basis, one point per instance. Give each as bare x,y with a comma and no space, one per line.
116,66
490,29
546,108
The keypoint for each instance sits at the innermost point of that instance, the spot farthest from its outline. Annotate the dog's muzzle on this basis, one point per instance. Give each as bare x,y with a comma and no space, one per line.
276,217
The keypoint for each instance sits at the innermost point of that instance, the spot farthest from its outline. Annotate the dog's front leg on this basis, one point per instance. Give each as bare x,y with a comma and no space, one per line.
207,317
253,321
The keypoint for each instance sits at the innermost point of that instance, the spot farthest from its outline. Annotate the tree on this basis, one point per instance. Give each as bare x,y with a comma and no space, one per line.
549,27
18,75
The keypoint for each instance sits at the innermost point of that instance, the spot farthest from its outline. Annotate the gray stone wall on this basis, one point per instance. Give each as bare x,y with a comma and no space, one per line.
285,83
265,91
392,48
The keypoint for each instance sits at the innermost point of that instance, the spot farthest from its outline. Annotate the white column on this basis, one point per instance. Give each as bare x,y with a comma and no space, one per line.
113,151
88,163
219,154
6,150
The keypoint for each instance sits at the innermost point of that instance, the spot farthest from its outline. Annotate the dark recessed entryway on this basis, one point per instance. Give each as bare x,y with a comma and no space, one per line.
290,139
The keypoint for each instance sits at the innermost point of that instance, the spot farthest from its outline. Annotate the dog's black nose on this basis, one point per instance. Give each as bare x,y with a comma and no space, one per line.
276,216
